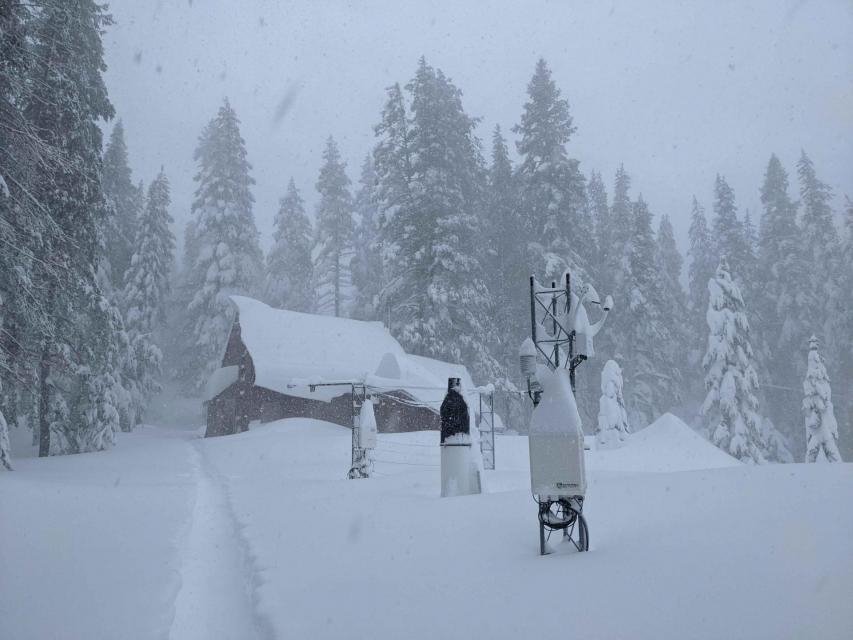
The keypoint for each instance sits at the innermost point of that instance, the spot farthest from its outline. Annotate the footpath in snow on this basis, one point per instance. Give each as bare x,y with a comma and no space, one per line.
259,535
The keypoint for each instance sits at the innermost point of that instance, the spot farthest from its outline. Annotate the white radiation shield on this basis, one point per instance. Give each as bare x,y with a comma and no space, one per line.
557,467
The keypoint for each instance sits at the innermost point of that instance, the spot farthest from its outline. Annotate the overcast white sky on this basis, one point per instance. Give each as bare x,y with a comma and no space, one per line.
678,91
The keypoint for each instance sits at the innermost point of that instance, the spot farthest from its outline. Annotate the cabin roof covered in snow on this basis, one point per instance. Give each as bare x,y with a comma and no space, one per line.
291,351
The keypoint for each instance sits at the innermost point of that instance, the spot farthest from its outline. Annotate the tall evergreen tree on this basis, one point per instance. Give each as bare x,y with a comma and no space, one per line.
652,374
507,269
731,404
124,199
781,288
729,234
367,269
603,232
703,261
79,387
290,272
392,158
821,427
842,325
613,341
673,302
334,245
25,225
622,219
551,187
227,258
146,290
429,193
820,244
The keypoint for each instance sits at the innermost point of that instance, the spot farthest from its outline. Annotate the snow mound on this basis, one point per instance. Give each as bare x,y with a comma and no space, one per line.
667,444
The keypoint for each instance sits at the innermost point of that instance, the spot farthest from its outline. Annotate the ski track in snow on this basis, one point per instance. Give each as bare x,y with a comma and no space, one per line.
216,600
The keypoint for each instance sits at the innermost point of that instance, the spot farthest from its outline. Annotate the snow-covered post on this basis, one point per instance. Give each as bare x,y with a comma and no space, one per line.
460,475
821,427
612,429
363,434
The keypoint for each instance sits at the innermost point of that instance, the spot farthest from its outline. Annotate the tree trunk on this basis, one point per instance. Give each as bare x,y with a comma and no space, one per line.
44,404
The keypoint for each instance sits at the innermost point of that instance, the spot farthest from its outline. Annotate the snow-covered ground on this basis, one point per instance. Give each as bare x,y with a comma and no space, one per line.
259,536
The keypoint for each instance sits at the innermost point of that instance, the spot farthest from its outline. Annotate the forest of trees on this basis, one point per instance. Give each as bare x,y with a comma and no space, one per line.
437,239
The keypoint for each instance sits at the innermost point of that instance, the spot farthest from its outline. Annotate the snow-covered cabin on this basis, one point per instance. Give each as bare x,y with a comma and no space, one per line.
275,362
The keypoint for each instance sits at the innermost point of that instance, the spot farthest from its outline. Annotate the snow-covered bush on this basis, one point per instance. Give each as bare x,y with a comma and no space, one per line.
821,426
612,429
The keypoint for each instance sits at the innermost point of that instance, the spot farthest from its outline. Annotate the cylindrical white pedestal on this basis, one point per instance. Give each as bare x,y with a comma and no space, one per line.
459,474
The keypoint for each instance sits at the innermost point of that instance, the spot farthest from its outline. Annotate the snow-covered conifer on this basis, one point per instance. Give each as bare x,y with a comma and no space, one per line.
650,360
502,234
615,270
290,272
703,263
820,242
124,199
600,210
333,239
438,299
673,302
367,268
391,160
781,289
147,288
729,235
612,429
551,187
227,256
731,406
821,426
79,382
25,226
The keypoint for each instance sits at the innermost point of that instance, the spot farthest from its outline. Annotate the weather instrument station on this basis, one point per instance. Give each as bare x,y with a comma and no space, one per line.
561,339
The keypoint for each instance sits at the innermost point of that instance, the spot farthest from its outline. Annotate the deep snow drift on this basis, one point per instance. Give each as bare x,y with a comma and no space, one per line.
259,535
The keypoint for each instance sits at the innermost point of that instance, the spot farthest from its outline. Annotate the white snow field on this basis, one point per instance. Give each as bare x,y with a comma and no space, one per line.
259,536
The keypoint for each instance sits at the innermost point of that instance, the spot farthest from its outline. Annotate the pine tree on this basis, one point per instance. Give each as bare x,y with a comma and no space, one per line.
703,261
842,325
613,428
25,226
367,268
124,199
429,194
729,235
603,232
79,387
551,187
652,374
227,257
147,289
781,286
622,220
333,245
820,244
505,259
391,158
731,406
821,427
290,272
673,302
